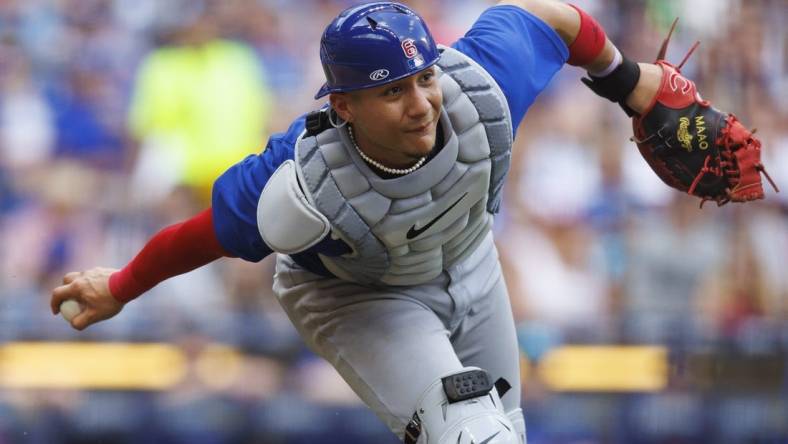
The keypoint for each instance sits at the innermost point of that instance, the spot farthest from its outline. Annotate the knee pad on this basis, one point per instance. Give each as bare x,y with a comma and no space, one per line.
461,408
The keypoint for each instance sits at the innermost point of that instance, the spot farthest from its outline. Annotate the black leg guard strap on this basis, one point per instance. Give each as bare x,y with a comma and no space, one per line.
502,386
617,85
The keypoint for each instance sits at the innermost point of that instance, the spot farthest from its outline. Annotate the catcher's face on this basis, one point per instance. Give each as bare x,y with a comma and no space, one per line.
395,123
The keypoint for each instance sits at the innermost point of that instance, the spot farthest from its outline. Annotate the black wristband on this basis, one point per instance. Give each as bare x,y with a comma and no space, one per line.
617,85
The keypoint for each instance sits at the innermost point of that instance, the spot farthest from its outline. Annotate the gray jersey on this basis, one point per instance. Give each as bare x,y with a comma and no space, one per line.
407,230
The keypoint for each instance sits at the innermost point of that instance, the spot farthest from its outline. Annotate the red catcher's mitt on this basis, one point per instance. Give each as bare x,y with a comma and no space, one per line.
694,147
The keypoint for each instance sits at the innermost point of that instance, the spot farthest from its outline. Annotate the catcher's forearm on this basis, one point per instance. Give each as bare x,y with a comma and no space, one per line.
174,250
589,47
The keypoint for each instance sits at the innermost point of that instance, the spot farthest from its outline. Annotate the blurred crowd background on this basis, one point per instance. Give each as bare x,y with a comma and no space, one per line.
117,115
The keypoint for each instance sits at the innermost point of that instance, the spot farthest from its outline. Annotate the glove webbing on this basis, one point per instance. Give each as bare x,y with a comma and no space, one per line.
727,167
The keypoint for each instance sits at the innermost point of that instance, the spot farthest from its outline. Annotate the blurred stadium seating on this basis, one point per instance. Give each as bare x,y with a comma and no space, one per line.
641,318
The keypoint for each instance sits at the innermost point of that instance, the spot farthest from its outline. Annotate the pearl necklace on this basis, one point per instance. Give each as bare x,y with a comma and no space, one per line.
378,165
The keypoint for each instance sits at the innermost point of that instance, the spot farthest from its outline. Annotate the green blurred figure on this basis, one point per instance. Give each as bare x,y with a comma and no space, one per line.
200,104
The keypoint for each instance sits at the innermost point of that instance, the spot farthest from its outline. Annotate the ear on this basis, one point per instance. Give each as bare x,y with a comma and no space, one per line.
340,102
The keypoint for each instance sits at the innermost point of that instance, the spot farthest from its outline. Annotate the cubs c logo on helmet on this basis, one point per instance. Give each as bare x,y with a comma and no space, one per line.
410,49
379,74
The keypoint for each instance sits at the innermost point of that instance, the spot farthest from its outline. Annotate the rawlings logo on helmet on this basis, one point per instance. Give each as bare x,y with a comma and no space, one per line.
410,49
379,74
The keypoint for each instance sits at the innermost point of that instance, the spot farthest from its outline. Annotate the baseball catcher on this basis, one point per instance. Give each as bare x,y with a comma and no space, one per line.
379,204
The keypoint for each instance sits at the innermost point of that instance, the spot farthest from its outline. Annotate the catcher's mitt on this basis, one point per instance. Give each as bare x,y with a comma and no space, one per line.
694,147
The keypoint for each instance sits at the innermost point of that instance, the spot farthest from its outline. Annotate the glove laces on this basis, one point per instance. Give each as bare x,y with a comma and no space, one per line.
727,167
664,48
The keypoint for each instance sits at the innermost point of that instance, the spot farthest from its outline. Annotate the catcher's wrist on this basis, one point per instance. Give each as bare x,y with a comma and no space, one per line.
604,66
641,99
618,84
123,287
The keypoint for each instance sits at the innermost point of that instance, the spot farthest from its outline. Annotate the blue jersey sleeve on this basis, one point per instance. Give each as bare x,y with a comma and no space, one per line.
236,192
519,50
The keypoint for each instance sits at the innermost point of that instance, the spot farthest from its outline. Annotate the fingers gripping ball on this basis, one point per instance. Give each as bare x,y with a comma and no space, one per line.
694,147
69,309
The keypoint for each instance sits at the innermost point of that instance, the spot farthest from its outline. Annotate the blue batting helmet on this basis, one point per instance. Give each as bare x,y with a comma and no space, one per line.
374,44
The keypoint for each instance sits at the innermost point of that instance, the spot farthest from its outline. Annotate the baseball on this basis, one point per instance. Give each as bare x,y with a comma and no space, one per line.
70,309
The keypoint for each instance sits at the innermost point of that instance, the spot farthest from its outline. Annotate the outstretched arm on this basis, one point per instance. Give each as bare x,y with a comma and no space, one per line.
177,249
591,49
689,144
182,247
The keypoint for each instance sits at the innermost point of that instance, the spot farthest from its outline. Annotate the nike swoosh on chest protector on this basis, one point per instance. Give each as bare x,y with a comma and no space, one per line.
413,231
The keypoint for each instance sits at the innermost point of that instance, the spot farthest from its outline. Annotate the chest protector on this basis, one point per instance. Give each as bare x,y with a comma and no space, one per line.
407,230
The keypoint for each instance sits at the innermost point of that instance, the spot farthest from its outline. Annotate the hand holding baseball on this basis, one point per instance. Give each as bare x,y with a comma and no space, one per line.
84,298
70,309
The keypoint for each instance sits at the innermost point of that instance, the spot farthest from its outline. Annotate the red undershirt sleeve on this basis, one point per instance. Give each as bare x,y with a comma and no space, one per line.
174,250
